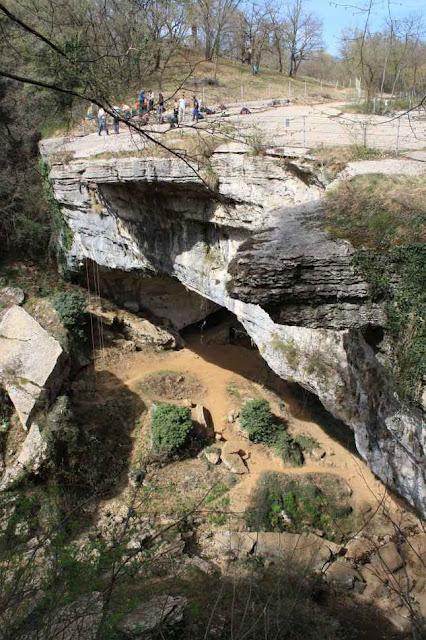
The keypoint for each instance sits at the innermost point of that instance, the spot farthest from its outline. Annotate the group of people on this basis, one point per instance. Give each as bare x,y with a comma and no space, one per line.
145,106
180,106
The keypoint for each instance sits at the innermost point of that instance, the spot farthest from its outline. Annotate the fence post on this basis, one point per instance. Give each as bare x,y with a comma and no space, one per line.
306,90
289,89
398,127
365,135
304,131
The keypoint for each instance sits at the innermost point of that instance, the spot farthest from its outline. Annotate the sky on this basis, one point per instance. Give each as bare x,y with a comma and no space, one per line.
338,14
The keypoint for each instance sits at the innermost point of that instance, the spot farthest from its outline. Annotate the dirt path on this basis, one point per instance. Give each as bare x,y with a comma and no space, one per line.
226,372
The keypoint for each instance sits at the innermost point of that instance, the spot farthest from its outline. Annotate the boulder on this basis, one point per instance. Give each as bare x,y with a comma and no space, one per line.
318,453
232,545
10,296
33,454
202,565
388,558
161,612
359,549
310,550
231,458
342,576
140,331
212,455
202,417
32,363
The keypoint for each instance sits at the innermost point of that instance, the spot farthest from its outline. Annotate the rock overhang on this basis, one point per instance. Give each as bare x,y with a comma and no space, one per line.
260,251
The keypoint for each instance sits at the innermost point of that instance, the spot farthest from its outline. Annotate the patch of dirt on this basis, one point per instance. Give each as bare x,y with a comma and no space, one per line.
171,385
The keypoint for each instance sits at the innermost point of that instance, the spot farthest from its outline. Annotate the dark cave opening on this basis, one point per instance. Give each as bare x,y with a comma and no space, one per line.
223,328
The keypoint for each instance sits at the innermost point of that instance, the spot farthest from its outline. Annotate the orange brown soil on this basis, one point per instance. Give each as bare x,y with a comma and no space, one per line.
227,375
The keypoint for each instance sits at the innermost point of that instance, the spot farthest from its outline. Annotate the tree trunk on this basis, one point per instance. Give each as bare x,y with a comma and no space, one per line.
279,53
194,36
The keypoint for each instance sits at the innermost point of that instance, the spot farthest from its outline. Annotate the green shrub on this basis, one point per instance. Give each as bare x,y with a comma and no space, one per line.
171,426
71,309
257,420
306,443
288,448
285,503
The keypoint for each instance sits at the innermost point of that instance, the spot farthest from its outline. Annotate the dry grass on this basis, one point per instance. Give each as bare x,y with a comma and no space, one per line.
378,211
334,159
230,81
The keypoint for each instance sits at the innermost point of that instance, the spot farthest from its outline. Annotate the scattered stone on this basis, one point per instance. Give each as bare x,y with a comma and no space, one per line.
126,346
233,415
231,458
219,436
162,611
32,363
136,477
318,453
283,411
342,575
212,455
388,558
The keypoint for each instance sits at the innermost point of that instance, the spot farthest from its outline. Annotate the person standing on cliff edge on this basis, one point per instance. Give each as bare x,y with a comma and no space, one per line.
182,109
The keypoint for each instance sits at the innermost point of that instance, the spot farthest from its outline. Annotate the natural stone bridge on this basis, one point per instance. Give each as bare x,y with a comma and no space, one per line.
163,241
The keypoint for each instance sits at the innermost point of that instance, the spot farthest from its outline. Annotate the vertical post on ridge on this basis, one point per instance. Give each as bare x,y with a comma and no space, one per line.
398,127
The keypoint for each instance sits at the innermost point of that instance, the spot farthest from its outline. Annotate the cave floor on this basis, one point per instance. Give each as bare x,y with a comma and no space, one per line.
227,375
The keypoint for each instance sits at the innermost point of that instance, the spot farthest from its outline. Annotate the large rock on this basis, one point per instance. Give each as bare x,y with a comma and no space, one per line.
258,248
34,452
231,458
160,613
141,331
306,550
342,575
32,363
388,558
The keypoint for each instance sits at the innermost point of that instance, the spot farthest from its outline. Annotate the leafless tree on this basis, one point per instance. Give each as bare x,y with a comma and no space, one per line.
213,18
303,34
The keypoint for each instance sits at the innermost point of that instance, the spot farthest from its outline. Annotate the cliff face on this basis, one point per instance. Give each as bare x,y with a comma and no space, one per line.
256,248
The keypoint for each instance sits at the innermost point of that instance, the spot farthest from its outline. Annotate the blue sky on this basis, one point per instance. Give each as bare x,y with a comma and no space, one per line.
336,16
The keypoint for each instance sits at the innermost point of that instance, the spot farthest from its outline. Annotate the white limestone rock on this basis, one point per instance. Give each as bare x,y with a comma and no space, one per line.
32,363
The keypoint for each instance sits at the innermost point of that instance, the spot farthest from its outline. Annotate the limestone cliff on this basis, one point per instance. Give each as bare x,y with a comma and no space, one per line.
256,247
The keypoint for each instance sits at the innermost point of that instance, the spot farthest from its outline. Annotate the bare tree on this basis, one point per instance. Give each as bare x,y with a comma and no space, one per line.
214,16
303,34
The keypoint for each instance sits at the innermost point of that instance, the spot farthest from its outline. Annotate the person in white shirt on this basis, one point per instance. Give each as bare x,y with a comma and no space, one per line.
182,109
102,122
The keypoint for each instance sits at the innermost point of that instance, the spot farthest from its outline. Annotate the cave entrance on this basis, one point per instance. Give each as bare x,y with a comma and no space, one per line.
222,340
